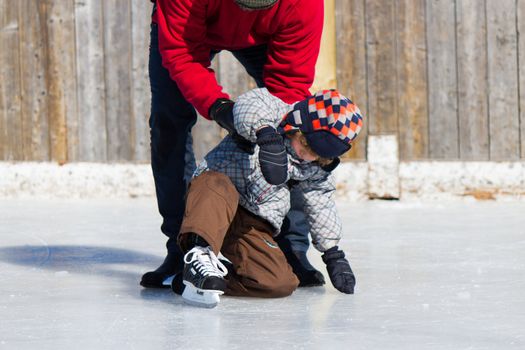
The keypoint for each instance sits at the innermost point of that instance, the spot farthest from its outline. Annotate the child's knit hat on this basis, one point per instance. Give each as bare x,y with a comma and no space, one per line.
328,120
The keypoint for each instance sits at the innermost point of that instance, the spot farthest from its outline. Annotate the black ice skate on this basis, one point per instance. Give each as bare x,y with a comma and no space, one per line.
203,277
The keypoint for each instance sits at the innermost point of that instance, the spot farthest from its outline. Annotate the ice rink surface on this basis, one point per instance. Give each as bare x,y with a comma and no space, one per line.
430,276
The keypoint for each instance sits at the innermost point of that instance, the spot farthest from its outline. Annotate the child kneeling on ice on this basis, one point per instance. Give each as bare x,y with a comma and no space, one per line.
238,200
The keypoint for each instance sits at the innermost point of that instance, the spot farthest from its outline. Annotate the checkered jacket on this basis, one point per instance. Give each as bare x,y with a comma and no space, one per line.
252,110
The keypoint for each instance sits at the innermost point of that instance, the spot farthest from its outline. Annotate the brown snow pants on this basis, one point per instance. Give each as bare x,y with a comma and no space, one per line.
213,213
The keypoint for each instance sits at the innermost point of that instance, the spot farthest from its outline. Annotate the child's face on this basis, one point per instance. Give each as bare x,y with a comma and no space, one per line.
301,148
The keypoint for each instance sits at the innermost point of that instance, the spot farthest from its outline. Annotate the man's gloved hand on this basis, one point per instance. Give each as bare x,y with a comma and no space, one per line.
222,112
272,155
339,270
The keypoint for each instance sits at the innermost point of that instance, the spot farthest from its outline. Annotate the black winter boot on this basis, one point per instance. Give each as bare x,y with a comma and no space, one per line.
308,275
172,265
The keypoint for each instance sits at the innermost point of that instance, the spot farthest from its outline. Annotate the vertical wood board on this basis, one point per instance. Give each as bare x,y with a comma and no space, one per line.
117,66
10,101
381,67
472,80
61,80
140,90
442,80
351,63
90,80
34,94
412,87
503,80
521,68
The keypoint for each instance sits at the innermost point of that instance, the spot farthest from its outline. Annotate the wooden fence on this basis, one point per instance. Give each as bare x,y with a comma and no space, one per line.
446,76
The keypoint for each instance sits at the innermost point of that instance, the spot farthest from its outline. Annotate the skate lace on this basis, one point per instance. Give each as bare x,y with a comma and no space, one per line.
206,262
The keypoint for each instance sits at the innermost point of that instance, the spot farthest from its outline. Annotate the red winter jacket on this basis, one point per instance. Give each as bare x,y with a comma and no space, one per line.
190,29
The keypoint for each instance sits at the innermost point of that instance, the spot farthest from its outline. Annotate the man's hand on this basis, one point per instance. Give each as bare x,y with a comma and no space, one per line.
272,155
339,270
222,112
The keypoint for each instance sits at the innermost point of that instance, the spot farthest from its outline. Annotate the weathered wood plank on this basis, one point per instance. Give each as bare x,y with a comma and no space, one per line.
472,80
61,81
33,64
140,91
351,63
503,80
381,67
412,79
521,67
442,80
117,62
10,103
90,80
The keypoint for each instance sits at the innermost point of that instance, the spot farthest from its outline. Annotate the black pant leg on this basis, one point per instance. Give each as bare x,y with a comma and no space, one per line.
171,120
253,59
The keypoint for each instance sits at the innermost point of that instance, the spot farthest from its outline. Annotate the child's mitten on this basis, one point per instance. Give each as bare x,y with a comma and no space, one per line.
272,155
339,270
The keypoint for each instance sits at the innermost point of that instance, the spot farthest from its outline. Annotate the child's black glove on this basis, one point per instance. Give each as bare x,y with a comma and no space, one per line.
339,270
222,112
272,155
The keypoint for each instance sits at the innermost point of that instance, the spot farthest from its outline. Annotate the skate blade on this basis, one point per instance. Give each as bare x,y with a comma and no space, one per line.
201,298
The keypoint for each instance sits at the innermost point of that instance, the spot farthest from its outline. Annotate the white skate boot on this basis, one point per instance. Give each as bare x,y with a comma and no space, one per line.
203,277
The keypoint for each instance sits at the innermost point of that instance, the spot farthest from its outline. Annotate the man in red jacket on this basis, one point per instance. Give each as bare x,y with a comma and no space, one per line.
277,41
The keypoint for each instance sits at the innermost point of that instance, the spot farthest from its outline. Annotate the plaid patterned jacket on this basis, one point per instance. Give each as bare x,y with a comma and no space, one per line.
252,110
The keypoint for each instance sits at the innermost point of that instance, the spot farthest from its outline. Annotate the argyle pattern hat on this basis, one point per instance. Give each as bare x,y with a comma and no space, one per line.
329,121
255,4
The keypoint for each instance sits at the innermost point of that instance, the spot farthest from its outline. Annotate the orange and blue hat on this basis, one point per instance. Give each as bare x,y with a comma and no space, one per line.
329,121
